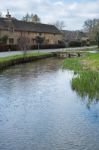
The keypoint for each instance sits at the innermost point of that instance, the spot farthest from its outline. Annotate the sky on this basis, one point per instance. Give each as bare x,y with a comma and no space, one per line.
72,12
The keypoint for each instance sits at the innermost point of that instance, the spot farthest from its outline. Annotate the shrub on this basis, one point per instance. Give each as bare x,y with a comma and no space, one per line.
4,47
48,46
74,44
3,40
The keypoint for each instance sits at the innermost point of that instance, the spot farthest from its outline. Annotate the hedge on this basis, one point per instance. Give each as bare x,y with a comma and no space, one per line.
4,48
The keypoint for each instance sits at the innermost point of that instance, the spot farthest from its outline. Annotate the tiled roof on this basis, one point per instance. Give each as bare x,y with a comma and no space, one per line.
2,23
27,26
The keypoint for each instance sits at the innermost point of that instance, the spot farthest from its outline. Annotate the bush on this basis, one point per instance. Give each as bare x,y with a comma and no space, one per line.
13,47
4,47
3,40
93,42
75,44
49,46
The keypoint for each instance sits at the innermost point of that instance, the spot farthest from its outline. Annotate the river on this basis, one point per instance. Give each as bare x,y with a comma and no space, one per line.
40,111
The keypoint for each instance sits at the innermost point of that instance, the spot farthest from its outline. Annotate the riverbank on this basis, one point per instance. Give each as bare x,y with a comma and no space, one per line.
39,109
90,62
6,62
86,79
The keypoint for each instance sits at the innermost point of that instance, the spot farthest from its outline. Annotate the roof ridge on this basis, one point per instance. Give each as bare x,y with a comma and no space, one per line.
22,25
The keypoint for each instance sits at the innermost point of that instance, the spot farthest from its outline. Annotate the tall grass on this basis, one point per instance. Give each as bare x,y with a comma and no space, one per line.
86,82
72,64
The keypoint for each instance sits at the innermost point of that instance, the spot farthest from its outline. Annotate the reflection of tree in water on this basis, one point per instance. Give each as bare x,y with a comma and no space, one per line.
86,84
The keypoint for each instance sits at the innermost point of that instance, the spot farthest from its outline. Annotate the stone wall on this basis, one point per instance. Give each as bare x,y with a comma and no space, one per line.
14,35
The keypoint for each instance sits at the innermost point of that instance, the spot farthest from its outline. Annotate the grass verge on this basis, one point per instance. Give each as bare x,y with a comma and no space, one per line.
17,59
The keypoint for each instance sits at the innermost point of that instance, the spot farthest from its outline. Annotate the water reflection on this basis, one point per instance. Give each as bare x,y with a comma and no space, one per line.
86,84
39,110
94,51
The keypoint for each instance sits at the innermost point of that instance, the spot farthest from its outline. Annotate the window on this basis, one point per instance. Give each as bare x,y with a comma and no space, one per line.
11,29
33,41
11,41
40,34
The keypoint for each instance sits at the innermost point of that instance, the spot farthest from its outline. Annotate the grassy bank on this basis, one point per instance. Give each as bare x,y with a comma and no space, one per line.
88,62
17,59
86,80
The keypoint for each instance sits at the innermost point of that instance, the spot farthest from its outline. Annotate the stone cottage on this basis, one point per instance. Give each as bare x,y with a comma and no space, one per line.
15,29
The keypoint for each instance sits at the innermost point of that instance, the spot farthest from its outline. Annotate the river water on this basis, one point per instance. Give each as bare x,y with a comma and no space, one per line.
40,111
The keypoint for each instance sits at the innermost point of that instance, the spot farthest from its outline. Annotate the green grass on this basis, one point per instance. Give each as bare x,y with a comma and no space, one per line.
16,57
86,80
5,62
87,84
72,64
88,62
91,62
81,50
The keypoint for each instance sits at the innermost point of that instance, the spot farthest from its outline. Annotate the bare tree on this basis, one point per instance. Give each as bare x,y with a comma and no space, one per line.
97,38
39,40
23,43
26,18
91,27
59,24
31,18
0,14
35,19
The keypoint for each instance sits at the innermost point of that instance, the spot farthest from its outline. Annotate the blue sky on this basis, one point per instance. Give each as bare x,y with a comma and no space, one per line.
72,12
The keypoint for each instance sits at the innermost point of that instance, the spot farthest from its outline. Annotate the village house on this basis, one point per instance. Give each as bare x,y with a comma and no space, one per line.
75,37
16,29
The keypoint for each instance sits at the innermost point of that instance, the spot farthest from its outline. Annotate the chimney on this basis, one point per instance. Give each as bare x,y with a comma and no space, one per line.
8,14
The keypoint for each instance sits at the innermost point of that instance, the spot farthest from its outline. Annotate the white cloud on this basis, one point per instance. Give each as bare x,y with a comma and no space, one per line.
72,13
72,6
